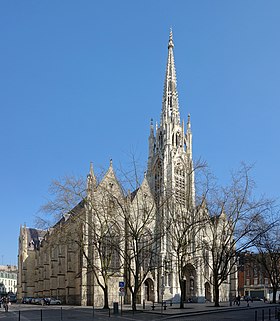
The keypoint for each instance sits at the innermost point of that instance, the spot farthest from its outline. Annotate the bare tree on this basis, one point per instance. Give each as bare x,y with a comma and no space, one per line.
232,227
101,236
89,224
64,196
139,244
268,254
115,229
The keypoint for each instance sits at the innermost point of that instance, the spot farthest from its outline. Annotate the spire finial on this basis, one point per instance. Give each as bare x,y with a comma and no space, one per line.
189,122
111,162
91,168
170,42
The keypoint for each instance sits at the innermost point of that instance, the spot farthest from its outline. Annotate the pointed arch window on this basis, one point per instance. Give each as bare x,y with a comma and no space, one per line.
158,182
180,184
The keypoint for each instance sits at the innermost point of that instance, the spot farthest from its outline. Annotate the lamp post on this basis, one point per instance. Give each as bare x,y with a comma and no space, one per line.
162,291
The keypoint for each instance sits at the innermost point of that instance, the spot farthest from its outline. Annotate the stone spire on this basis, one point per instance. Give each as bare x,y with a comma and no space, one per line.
170,104
91,179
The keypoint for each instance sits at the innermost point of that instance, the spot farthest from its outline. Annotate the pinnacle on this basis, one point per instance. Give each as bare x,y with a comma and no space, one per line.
170,42
189,121
91,168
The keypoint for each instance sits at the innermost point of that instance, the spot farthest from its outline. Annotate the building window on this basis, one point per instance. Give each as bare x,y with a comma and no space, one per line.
180,184
266,281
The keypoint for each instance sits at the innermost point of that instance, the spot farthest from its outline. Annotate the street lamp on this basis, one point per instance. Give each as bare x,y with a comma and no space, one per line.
162,291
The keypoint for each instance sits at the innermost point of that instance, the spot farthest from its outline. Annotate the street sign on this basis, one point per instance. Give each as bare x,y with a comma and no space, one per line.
121,284
121,288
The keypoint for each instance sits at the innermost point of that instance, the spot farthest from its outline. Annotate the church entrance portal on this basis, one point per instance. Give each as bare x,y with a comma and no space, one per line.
149,290
189,283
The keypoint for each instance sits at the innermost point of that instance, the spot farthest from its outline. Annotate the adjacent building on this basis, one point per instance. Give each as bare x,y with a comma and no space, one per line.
253,280
8,279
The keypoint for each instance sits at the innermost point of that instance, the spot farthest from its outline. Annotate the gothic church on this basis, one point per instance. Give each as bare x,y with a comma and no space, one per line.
49,267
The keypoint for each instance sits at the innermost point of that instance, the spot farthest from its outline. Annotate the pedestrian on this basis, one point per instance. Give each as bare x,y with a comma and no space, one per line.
247,299
238,299
6,304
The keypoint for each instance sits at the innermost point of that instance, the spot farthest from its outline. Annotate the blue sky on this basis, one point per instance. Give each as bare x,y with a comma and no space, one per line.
80,80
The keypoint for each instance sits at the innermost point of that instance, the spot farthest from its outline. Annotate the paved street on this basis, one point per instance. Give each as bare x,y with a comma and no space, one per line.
258,311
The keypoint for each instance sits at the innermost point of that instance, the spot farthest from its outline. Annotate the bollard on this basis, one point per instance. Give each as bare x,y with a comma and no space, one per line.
116,307
19,315
269,314
61,314
171,303
256,315
143,304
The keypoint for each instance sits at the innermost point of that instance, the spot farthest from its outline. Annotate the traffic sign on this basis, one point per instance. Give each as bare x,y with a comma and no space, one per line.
121,284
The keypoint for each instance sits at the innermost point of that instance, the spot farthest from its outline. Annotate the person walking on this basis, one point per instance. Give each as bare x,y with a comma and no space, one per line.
238,299
6,304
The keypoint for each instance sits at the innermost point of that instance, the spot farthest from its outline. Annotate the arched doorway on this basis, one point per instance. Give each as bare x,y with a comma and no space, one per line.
189,282
208,296
149,290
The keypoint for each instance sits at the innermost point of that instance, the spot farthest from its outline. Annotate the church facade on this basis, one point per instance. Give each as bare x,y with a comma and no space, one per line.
67,261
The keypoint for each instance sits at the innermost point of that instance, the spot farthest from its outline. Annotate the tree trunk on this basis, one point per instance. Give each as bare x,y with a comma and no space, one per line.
106,299
216,295
182,288
274,292
133,303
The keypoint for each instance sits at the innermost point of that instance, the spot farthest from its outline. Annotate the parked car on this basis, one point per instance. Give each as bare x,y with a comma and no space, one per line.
26,300
36,300
51,301
12,298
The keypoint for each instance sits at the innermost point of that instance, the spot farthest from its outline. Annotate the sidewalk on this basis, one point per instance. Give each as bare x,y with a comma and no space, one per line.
204,308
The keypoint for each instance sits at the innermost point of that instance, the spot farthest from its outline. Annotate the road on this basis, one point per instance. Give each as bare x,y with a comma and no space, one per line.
70,313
